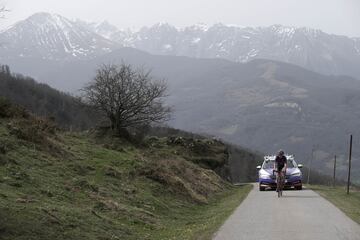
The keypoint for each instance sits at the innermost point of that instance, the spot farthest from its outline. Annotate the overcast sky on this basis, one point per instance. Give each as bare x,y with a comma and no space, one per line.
332,16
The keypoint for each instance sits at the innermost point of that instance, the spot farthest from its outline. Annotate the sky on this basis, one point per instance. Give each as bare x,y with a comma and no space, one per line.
333,16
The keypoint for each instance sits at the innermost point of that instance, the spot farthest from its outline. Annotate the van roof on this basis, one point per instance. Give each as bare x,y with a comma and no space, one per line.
272,157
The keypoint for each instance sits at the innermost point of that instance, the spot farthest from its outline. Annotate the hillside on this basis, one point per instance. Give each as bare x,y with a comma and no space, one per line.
71,114
263,105
248,104
60,185
41,99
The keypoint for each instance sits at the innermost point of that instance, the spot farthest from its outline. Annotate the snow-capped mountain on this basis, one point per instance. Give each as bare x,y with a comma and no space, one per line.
51,36
309,48
104,29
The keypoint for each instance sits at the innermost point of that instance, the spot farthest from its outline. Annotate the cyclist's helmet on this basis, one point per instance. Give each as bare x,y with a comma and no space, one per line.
281,153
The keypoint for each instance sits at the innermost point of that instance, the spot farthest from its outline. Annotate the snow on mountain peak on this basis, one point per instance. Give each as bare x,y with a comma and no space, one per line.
242,44
201,26
52,36
106,26
163,25
44,18
234,26
284,30
41,16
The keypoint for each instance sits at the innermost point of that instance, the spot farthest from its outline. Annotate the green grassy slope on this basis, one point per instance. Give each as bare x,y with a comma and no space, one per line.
349,204
60,185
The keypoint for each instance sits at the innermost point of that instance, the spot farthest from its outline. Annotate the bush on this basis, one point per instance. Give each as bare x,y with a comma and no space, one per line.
33,130
8,110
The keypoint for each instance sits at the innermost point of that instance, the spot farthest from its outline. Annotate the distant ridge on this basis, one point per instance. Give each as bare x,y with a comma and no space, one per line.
51,36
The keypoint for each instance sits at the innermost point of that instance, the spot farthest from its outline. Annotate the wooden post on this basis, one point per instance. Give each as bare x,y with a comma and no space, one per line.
350,151
334,176
309,170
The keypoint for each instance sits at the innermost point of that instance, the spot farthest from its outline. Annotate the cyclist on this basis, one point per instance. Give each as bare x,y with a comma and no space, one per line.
280,164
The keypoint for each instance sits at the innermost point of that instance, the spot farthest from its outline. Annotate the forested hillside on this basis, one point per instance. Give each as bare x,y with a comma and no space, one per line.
45,101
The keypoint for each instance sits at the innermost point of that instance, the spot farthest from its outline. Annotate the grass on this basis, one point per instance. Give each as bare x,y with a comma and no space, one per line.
201,222
348,203
74,186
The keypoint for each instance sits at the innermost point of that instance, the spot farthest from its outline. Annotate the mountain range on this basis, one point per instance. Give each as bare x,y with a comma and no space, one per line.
309,48
306,47
261,104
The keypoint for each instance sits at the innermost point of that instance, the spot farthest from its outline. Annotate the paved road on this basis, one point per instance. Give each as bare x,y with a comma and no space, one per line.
298,215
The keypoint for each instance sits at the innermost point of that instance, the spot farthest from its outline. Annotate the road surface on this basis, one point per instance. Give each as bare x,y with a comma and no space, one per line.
298,215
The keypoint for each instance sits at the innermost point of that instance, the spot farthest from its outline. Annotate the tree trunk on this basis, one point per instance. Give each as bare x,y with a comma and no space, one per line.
124,133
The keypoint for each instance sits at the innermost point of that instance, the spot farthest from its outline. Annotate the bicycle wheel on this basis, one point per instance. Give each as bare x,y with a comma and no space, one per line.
278,187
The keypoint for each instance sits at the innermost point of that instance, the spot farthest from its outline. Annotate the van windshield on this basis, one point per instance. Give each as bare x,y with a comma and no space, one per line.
269,164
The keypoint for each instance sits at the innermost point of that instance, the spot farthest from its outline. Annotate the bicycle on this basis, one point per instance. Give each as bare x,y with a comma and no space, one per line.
280,178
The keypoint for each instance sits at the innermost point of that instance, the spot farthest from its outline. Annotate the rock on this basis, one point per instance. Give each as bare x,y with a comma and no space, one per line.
21,200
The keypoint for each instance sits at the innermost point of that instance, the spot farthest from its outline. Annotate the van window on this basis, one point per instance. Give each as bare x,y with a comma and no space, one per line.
270,164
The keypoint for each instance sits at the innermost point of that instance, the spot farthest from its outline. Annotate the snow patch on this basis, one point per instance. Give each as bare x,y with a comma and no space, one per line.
235,26
202,27
251,54
327,57
168,47
196,40
356,43
284,105
283,30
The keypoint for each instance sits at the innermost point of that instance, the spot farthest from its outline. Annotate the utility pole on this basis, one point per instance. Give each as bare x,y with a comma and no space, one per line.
334,178
309,169
350,151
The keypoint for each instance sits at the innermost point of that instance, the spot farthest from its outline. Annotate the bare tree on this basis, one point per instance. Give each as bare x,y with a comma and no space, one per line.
128,97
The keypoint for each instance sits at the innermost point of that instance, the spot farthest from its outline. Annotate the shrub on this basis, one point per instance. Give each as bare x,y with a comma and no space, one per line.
8,110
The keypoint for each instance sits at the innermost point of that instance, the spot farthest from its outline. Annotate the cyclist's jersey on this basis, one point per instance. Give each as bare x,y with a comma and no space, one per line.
280,162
